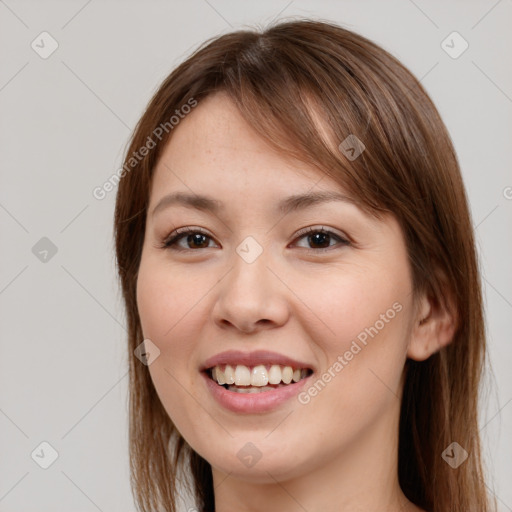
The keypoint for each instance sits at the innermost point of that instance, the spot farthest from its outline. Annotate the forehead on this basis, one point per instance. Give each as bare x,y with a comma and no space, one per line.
214,148
226,168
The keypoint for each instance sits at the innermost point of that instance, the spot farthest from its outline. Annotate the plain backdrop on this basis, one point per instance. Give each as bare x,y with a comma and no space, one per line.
64,123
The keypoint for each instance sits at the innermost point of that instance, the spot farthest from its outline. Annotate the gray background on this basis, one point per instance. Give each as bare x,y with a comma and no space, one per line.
64,124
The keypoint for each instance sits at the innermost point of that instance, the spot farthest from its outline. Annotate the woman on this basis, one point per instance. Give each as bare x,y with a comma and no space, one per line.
298,267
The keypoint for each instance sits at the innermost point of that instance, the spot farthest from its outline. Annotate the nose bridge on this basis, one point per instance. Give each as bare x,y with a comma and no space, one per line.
249,277
247,295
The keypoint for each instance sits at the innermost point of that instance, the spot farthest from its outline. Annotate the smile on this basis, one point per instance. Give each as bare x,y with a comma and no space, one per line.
254,382
240,378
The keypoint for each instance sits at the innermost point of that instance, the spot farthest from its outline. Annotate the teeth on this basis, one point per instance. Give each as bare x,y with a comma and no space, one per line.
242,376
219,375
287,374
259,377
229,374
274,374
251,389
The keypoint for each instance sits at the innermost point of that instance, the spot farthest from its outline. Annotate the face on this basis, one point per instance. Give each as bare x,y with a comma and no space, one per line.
249,285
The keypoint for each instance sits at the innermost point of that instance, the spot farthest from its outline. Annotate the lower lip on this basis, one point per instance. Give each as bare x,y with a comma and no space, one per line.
264,401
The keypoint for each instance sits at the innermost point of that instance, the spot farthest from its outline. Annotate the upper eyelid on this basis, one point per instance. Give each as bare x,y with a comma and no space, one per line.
322,228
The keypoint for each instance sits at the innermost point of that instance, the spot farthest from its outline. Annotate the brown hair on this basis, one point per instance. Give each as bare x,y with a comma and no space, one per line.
305,86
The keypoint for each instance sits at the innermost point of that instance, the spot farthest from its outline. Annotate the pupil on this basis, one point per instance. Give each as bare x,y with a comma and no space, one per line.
320,238
197,238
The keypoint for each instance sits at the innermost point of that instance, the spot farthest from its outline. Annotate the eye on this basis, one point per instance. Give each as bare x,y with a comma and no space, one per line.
196,238
322,237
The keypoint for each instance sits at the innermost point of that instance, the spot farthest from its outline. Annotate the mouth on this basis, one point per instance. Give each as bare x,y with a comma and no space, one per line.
239,378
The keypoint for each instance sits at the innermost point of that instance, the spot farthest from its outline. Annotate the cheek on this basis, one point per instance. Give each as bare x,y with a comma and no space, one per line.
350,303
361,327
170,309
166,299
170,313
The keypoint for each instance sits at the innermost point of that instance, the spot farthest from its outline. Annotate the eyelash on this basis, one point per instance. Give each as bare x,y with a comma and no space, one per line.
175,236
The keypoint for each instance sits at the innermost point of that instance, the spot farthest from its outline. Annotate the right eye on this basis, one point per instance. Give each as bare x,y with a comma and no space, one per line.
194,238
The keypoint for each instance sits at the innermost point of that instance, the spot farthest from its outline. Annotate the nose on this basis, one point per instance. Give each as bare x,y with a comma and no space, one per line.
251,297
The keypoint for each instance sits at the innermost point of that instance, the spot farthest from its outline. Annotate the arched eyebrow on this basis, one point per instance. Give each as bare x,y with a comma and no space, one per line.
287,205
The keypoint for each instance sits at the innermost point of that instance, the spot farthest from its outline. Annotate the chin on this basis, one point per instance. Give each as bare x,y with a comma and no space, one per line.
261,467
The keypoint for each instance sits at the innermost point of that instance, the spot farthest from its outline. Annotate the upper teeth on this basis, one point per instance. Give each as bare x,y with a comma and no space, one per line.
241,375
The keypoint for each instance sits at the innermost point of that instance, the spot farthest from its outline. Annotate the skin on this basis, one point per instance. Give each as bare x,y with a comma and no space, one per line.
337,452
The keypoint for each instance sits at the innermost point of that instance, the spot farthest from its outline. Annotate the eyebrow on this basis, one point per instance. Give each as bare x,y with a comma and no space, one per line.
287,205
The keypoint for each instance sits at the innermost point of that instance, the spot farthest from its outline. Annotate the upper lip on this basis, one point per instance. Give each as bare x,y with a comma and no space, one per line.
264,357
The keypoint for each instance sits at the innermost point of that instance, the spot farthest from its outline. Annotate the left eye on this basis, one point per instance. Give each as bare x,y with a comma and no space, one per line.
196,239
321,237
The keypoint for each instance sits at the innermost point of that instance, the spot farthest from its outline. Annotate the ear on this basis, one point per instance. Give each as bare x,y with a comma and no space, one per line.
434,326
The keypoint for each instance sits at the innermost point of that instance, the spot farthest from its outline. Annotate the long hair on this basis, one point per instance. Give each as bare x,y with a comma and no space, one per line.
305,86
